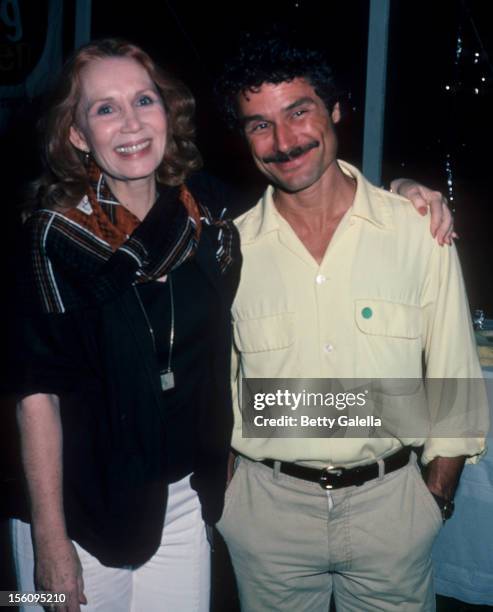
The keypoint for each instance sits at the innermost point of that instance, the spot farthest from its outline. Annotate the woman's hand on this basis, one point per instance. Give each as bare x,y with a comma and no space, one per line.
58,570
422,198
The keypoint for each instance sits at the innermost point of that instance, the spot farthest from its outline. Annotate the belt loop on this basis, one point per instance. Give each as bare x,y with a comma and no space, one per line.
330,500
381,468
277,469
236,462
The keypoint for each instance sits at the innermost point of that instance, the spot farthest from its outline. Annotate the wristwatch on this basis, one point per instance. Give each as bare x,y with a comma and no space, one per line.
446,506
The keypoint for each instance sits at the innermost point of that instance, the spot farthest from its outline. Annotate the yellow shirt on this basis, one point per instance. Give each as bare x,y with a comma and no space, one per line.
294,318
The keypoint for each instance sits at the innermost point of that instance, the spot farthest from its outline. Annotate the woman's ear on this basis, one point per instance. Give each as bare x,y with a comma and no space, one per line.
77,138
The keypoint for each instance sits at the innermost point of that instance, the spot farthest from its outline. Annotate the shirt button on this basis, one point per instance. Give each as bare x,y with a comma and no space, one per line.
320,279
328,348
367,313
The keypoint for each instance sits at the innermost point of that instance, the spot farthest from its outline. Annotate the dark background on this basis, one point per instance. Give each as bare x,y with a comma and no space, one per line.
425,122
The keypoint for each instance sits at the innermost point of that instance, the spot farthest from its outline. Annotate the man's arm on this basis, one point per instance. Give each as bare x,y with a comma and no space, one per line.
456,395
422,198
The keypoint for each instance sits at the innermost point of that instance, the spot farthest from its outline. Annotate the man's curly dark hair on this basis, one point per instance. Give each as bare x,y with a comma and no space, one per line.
272,58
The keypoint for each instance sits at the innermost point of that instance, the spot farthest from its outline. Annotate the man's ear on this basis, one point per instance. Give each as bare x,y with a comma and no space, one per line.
335,115
77,138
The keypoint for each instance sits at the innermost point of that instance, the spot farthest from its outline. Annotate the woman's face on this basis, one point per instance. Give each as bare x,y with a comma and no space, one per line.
120,119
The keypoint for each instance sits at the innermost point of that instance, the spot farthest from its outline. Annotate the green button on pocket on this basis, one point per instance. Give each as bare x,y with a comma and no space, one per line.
367,313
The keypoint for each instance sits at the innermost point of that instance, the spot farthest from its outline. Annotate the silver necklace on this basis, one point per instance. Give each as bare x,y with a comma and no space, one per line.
166,376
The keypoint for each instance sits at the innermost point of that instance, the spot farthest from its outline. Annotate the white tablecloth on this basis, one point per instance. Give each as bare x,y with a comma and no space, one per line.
463,551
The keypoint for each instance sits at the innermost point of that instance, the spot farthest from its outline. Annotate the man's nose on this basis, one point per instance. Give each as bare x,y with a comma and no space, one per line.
285,139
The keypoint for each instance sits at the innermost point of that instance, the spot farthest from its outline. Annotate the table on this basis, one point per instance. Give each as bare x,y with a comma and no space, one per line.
463,551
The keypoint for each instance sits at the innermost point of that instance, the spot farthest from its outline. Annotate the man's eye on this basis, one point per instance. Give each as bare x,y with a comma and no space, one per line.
104,110
259,126
299,113
145,100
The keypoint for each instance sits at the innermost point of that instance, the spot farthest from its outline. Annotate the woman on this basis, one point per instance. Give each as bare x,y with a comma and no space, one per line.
123,346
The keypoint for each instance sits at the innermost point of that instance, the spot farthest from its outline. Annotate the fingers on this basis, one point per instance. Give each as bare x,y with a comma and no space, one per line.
419,203
80,586
70,604
414,192
450,236
436,203
444,233
422,198
73,604
442,220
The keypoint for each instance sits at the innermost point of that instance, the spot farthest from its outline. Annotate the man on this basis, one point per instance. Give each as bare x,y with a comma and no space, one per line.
340,280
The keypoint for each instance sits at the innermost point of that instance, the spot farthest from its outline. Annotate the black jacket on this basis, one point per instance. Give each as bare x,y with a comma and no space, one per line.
100,361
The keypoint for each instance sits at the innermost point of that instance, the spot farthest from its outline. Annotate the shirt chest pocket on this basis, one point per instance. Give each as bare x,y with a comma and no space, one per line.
268,333
389,319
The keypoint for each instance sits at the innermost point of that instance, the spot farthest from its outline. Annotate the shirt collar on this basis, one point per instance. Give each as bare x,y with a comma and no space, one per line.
370,204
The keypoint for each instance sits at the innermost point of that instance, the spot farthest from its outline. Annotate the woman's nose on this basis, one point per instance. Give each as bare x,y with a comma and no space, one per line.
132,121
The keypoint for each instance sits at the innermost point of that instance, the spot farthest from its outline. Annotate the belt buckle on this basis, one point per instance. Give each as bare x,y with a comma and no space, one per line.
328,471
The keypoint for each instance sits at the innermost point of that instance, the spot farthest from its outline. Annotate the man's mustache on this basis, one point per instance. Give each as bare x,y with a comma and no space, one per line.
285,156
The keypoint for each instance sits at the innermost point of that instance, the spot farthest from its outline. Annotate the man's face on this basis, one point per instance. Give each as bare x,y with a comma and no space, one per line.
290,133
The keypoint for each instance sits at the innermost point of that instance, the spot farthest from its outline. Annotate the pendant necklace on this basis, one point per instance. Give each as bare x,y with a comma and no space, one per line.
167,377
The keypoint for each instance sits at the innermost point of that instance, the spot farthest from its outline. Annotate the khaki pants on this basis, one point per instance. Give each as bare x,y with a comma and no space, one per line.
292,544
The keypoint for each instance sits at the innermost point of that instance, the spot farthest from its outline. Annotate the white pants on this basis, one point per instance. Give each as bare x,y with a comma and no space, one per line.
176,578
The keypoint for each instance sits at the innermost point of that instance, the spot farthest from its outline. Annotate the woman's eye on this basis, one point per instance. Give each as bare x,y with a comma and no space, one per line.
145,100
104,110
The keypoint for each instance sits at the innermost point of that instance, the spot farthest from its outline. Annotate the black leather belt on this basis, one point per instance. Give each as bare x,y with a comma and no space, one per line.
338,477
